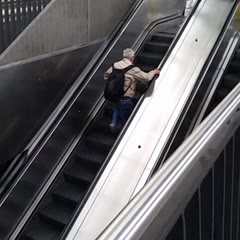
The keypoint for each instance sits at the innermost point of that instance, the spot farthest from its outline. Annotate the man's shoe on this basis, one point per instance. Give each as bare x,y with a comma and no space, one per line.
113,128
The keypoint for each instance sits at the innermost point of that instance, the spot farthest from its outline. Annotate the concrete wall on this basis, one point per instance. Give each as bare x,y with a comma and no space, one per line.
66,24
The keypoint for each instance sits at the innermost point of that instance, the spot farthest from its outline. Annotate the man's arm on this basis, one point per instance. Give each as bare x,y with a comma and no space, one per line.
106,74
143,76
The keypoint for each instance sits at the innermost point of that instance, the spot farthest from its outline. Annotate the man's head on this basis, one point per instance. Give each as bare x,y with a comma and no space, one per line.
129,54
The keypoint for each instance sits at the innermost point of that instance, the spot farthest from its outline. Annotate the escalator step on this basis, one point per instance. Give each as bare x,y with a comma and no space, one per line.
102,124
71,193
163,37
41,231
64,131
91,158
57,213
80,173
146,58
157,47
72,121
234,67
99,141
173,30
108,109
101,128
230,81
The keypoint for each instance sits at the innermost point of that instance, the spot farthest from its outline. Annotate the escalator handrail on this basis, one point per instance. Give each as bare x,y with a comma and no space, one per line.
5,179
160,199
23,159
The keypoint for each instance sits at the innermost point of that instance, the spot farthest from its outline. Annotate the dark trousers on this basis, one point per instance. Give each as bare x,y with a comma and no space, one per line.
122,111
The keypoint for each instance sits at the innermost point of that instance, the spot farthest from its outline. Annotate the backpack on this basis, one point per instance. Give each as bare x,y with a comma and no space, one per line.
114,88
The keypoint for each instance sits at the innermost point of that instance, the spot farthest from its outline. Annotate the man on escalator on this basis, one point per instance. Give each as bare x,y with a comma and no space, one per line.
132,74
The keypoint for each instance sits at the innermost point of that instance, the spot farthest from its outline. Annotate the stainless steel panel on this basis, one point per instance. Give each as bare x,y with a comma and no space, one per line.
62,24
104,15
134,158
65,24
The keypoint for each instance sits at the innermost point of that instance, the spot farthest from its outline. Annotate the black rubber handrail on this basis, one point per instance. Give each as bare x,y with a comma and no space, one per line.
10,172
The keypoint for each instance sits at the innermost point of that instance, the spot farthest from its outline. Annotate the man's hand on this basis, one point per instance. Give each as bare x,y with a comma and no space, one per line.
156,71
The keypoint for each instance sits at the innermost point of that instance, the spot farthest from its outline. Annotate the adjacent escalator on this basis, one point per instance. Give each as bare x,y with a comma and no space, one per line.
229,80
68,190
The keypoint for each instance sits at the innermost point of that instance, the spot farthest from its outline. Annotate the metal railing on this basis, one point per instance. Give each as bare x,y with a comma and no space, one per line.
196,194
15,15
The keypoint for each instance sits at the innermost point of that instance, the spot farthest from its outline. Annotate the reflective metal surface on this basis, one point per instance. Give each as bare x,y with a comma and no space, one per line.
66,24
29,93
155,209
136,155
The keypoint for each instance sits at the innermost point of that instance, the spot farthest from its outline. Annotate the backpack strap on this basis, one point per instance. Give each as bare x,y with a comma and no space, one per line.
124,70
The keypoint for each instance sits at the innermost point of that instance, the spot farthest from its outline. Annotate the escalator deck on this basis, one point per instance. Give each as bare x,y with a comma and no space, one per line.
67,192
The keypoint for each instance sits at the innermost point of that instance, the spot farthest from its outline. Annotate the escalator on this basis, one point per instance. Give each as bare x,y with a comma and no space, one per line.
67,192
229,80
80,114
206,98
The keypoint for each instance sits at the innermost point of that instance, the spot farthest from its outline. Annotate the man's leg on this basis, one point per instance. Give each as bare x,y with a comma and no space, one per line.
125,110
115,119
